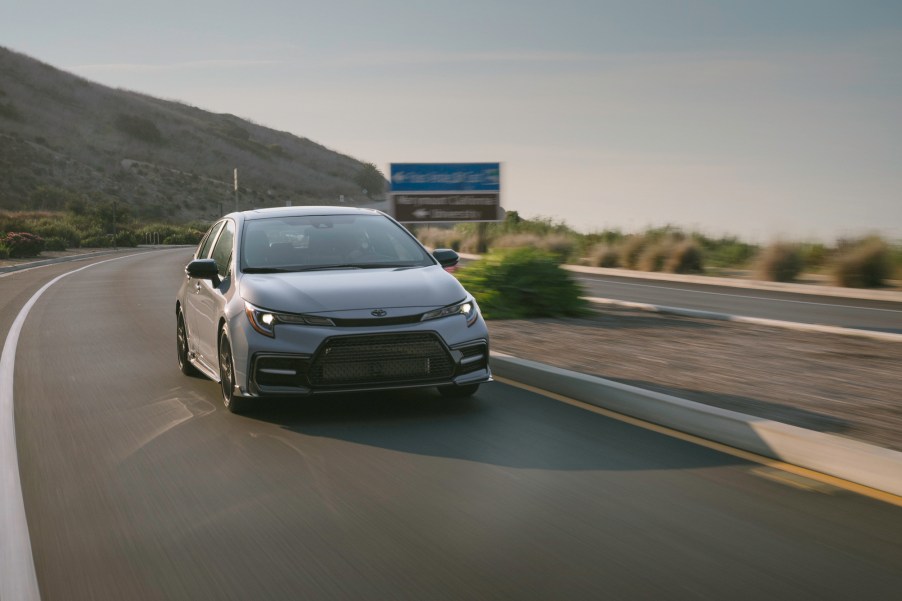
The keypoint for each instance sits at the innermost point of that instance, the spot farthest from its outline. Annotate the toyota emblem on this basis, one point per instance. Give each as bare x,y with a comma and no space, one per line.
378,313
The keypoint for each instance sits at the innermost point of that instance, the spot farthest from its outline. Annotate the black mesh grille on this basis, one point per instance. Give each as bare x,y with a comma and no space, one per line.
365,360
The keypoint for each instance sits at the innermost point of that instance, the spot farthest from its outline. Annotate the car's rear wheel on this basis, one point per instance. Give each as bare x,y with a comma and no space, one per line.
233,402
181,335
458,392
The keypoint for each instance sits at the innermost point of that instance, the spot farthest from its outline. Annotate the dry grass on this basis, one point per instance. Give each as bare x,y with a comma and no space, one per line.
631,249
654,256
779,262
603,255
866,264
685,257
435,237
560,246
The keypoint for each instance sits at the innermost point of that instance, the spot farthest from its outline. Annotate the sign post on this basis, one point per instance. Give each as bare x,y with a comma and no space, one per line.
446,192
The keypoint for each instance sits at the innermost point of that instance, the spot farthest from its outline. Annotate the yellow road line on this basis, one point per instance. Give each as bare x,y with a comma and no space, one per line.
866,491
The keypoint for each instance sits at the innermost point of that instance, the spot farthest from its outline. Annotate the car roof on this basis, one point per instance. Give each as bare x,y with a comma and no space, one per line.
304,211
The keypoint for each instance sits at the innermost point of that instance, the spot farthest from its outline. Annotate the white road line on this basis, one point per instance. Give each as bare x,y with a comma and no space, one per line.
764,298
17,576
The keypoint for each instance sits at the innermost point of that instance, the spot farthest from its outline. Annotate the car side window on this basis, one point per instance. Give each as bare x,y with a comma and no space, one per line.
222,252
203,251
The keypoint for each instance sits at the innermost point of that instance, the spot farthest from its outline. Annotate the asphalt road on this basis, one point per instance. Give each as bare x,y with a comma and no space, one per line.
880,316
139,485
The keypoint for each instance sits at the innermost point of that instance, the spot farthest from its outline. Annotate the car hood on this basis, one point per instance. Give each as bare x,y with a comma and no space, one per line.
352,289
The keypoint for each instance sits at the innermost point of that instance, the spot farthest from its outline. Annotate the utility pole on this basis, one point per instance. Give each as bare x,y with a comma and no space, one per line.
236,188
115,242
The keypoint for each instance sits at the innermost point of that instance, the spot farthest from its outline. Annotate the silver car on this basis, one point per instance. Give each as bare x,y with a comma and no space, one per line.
305,300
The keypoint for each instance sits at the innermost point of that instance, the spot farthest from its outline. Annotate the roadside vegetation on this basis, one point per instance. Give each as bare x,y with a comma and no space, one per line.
26,234
523,282
868,262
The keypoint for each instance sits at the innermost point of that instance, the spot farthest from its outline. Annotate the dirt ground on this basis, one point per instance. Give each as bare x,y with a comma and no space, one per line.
843,385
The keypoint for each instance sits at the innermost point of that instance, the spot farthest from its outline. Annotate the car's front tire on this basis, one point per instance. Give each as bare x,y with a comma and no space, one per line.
181,336
232,402
458,392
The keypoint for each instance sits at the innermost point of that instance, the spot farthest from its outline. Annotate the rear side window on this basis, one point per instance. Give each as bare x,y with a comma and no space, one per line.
222,252
203,251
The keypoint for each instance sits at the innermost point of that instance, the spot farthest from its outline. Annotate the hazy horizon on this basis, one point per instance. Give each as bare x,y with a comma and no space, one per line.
763,120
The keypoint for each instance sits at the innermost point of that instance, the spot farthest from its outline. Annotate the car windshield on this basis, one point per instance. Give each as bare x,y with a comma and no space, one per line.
318,242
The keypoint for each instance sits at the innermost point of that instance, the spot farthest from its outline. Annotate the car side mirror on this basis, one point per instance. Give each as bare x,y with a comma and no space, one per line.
446,257
203,269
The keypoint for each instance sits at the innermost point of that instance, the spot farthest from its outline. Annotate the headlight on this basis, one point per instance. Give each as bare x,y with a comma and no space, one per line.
265,321
467,308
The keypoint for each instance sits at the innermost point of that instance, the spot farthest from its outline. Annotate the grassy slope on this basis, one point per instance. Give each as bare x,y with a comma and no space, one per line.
61,130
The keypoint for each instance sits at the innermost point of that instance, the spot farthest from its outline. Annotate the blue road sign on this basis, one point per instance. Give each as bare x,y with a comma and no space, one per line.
445,177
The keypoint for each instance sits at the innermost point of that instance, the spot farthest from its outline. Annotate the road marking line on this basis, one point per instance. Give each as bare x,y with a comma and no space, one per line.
799,482
866,491
17,575
764,298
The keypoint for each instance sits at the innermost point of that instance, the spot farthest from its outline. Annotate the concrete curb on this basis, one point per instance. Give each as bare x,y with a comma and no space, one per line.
851,460
774,323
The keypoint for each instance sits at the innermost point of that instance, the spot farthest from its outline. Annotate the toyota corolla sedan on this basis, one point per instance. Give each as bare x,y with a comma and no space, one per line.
305,300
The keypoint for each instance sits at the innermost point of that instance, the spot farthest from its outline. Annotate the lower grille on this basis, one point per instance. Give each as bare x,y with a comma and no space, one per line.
373,360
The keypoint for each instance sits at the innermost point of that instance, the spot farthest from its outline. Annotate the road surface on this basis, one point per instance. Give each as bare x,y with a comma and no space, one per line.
138,484
883,316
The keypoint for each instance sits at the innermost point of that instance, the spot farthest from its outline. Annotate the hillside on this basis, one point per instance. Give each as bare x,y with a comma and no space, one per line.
165,159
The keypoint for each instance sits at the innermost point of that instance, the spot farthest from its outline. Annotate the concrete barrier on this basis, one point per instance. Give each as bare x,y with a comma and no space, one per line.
851,460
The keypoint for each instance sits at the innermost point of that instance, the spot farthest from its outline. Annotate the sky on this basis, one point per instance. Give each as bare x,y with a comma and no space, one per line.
764,119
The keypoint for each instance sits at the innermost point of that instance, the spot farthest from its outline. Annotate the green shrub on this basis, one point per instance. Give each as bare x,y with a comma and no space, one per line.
779,262
866,264
814,255
727,252
97,242
23,244
192,237
56,244
126,238
521,283
171,234
609,237
56,228
685,257
4,252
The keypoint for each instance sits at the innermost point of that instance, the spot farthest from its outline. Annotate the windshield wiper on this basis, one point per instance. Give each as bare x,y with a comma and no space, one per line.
361,266
325,267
